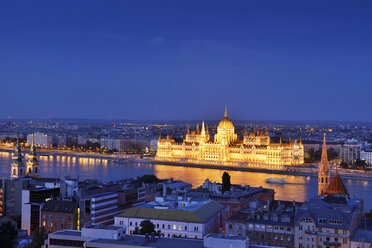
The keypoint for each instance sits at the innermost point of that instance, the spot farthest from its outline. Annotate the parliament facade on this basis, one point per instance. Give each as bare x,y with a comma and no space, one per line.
255,149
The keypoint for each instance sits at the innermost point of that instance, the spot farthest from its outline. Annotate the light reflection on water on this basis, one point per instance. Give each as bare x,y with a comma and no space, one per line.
297,188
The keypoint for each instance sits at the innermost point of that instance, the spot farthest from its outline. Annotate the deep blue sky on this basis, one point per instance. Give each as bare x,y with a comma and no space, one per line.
182,60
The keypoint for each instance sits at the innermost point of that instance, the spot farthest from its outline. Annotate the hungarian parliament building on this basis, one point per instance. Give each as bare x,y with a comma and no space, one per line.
255,149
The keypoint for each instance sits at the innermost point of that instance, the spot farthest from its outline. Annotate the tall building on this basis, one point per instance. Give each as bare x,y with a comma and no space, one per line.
33,162
18,169
324,172
350,153
226,148
33,201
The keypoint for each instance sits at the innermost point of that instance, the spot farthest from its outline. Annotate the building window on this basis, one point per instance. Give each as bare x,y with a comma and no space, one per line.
185,228
180,227
163,226
130,223
168,226
344,241
230,226
157,225
174,227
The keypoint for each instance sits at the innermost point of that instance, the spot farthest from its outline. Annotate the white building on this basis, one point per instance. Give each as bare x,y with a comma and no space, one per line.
177,217
40,139
110,144
366,156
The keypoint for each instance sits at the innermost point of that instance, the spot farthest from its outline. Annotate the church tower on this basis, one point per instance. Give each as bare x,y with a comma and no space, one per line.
33,162
17,166
324,172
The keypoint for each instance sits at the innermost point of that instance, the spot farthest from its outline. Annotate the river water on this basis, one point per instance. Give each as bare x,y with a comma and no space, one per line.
297,188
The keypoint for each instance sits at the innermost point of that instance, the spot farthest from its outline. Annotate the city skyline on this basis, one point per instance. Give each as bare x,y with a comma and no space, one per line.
186,61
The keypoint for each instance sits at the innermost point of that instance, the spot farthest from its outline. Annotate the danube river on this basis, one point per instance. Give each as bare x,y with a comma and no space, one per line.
298,188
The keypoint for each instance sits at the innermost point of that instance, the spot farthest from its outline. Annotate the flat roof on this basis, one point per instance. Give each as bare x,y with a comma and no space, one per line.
224,236
138,240
103,227
68,233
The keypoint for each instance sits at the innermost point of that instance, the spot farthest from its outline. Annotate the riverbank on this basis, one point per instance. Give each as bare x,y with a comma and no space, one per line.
123,158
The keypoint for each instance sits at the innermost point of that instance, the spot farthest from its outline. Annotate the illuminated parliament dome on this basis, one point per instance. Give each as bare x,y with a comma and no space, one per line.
225,123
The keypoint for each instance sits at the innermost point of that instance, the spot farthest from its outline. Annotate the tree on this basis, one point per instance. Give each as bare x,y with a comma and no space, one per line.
147,227
360,164
226,185
8,233
39,237
344,165
332,154
148,179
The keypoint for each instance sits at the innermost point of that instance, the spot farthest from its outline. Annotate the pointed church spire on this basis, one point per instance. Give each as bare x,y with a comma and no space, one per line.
207,130
197,128
280,142
18,152
266,133
203,128
324,159
225,111
188,129
245,132
324,172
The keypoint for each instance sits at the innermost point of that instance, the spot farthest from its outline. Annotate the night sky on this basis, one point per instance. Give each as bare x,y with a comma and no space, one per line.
186,60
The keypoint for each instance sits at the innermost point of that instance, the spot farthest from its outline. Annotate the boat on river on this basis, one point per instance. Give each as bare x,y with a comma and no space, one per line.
276,180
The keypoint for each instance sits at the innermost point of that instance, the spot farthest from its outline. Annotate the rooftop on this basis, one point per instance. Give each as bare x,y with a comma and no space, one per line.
103,227
59,206
68,233
140,241
197,211
224,236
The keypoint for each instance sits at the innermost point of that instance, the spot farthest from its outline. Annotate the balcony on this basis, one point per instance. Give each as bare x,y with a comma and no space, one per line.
332,243
310,232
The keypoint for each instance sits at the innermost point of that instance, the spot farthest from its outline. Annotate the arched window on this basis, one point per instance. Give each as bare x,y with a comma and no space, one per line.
35,169
14,171
322,179
326,180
